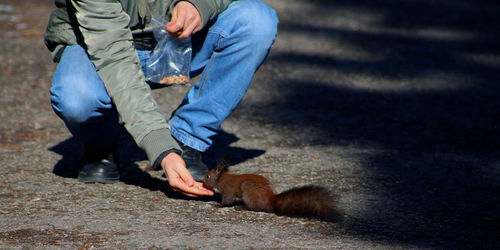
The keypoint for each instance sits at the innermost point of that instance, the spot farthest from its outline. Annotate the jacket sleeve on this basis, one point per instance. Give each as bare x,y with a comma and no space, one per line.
108,40
209,9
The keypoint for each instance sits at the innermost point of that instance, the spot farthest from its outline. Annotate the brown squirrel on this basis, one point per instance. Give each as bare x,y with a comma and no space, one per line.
257,193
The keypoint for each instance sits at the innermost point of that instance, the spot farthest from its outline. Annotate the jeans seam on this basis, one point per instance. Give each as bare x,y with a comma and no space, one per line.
203,80
187,140
221,33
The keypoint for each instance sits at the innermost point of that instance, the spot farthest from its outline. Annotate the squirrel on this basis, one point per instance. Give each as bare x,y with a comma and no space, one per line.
257,193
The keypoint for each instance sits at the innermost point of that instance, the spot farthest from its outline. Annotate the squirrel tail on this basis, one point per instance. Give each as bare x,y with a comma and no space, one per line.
307,201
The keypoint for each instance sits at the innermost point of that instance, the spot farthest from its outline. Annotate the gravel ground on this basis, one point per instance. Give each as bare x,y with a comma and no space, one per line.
393,105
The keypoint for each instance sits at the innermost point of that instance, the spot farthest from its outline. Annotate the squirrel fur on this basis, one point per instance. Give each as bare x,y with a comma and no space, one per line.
257,193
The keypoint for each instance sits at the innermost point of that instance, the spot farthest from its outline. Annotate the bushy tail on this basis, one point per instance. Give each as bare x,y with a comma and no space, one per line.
307,201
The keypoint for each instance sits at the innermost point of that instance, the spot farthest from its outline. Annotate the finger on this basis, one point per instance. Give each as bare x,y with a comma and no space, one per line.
180,179
176,180
189,30
175,22
186,177
189,25
196,191
182,192
202,190
173,18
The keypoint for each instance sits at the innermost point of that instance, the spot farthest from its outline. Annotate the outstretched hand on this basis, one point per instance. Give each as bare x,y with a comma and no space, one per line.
186,20
180,179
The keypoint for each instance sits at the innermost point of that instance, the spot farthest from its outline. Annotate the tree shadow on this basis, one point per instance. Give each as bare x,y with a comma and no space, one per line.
416,37
477,16
434,170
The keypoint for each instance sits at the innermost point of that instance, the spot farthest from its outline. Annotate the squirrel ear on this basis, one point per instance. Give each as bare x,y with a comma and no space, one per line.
222,164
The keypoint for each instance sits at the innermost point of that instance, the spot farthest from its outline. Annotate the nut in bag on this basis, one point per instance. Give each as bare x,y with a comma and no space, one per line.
170,61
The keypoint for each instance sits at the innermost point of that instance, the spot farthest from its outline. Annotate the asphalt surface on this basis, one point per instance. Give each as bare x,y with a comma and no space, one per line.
392,105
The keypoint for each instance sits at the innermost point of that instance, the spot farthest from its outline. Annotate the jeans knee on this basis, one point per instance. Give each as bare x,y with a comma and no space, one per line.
259,21
76,105
72,110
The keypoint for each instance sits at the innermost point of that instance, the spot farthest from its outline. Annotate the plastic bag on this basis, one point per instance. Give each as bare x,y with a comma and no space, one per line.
170,61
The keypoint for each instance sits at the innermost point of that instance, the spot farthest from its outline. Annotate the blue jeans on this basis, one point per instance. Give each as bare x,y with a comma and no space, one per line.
227,53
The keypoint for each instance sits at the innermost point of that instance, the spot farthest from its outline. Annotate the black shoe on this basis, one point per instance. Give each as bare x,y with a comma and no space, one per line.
96,168
194,164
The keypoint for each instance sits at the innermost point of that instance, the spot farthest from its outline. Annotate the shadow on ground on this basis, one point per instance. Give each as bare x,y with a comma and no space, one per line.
129,154
438,178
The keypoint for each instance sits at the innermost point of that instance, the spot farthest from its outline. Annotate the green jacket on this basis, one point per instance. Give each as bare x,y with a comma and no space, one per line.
110,30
